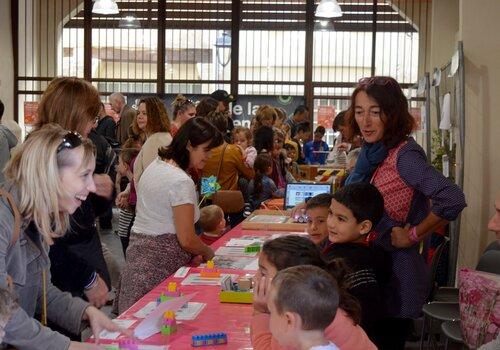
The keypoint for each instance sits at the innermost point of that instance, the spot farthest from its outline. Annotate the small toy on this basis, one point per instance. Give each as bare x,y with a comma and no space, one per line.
252,248
169,325
209,339
210,271
302,217
244,283
128,344
170,293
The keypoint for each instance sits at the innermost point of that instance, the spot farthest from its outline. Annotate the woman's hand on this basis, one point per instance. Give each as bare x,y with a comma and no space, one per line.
98,294
209,254
400,237
260,293
104,185
99,322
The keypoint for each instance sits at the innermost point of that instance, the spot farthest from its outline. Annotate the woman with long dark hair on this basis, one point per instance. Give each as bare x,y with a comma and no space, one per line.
163,236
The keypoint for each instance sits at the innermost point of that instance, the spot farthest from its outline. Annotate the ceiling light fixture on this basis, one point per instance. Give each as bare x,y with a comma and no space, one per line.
328,9
105,7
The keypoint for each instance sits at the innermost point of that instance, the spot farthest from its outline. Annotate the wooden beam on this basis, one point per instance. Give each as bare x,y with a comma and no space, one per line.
309,54
235,46
160,67
14,15
87,40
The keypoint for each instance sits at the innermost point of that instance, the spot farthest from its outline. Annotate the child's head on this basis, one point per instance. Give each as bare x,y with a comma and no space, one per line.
355,210
292,250
317,214
319,133
263,164
302,299
212,219
125,158
303,131
352,158
242,136
263,139
279,140
265,115
291,152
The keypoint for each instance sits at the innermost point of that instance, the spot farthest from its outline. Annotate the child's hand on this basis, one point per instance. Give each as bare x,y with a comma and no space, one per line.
260,293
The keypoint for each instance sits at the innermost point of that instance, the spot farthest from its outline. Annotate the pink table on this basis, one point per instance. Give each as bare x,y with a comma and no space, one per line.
232,319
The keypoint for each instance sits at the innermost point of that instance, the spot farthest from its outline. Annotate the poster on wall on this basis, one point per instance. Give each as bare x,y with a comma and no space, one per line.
243,109
416,113
325,116
30,113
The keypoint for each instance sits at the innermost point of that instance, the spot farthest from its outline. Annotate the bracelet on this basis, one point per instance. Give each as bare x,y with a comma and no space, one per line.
93,282
412,235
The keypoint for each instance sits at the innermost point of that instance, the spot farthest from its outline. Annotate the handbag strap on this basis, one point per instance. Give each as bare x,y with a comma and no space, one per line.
220,161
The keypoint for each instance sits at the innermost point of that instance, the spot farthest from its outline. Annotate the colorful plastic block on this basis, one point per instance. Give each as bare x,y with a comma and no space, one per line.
169,325
238,297
253,248
170,293
244,283
210,271
209,339
128,344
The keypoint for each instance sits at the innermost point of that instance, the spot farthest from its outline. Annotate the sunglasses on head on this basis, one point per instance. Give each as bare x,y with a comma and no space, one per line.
71,140
381,81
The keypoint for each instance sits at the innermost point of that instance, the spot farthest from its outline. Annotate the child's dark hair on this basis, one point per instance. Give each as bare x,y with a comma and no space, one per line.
323,200
304,127
308,291
300,109
338,121
320,129
127,154
292,250
263,139
364,200
262,163
195,131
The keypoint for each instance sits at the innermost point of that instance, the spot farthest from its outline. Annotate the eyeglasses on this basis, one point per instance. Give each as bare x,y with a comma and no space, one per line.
382,81
70,140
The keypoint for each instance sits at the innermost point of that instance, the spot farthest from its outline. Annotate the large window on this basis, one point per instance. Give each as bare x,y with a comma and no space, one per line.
250,47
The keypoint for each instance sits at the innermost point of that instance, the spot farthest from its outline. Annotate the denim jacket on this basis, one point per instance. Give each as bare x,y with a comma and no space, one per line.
24,262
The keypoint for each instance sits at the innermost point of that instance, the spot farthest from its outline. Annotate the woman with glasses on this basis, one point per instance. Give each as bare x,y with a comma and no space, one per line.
47,180
184,110
417,198
77,260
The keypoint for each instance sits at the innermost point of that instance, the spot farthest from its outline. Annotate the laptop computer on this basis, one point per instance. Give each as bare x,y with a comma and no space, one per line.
296,193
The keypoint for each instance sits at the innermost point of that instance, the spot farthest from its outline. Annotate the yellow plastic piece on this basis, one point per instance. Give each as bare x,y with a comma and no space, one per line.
210,264
228,296
172,287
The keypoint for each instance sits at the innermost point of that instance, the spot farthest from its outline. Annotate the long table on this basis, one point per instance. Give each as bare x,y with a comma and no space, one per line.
216,317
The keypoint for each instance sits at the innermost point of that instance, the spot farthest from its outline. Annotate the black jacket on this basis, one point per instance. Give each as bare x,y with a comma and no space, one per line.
106,127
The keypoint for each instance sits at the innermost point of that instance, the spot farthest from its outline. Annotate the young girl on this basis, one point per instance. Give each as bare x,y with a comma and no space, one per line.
262,187
242,137
126,204
265,115
184,110
288,251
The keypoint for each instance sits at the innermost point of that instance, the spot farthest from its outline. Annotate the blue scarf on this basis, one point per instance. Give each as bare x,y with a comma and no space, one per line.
371,155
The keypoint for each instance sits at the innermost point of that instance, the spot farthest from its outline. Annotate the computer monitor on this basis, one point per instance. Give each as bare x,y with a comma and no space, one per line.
296,193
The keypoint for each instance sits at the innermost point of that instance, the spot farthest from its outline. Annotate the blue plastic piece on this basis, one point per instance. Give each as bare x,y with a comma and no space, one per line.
209,339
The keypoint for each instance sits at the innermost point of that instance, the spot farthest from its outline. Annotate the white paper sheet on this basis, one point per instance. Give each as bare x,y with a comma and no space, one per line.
151,324
244,241
233,262
182,272
445,123
188,312
233,251
114,335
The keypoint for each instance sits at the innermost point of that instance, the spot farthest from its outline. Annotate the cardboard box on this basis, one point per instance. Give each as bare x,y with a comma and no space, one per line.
263,220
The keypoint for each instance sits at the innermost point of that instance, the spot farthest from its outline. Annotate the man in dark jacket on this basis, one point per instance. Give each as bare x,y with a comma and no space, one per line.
106,126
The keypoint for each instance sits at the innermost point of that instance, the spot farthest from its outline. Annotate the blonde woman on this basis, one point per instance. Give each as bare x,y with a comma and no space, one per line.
47,180
184,109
